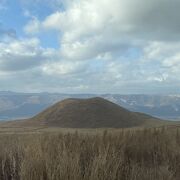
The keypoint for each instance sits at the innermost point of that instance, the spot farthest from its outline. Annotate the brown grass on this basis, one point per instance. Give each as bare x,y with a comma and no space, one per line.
149,154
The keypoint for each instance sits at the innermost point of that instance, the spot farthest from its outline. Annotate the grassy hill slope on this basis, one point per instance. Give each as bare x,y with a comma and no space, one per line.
88,113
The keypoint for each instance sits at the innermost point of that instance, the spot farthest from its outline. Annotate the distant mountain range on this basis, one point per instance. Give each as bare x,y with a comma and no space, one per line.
24,105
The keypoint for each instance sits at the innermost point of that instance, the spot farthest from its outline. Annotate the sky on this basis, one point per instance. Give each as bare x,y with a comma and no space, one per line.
90,46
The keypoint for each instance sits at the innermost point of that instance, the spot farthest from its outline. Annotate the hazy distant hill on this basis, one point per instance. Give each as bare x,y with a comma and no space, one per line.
88,113
19,105
163,106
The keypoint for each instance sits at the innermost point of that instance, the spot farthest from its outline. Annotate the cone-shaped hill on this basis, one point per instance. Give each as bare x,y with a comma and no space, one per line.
88,113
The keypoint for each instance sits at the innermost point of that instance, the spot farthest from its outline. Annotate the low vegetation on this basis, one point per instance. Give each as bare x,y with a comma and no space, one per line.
149,154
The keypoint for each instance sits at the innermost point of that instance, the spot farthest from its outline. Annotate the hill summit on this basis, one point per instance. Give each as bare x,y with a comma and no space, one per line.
88,113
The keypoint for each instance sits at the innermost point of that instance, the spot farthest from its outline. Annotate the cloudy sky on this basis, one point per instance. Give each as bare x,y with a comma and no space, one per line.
90,46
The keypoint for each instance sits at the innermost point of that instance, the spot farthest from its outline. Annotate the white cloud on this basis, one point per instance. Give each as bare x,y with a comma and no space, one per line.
19,55
33,26
166,53
89,28
117,46
63,68
83,17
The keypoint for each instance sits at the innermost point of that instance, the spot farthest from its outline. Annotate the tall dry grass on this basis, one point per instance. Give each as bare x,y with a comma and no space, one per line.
152,154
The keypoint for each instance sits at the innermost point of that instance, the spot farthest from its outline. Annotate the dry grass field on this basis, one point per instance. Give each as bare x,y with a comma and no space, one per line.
64,154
